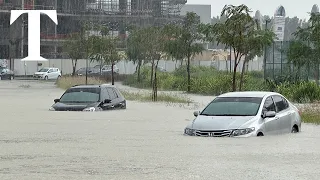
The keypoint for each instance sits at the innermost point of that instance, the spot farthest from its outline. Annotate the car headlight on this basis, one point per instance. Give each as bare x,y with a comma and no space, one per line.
51,109
190,132
91,109
240,132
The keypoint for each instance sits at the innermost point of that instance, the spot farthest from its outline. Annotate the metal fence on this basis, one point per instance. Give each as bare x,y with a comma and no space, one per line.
278,65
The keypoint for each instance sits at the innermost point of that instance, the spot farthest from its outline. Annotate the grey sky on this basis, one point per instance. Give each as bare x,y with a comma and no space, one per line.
267,7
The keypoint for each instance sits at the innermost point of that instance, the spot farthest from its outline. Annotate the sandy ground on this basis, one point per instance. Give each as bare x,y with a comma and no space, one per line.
143,142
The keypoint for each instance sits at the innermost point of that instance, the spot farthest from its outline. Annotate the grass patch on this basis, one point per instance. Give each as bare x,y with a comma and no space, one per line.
311,117
162,97
311,113
69,81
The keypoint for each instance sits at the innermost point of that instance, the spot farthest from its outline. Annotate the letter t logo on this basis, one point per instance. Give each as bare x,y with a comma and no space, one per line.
34,30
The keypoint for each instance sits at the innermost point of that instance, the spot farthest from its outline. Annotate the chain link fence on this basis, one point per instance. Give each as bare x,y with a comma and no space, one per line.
278,65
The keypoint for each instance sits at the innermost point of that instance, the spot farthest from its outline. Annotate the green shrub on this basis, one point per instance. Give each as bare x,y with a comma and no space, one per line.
210,81
204,80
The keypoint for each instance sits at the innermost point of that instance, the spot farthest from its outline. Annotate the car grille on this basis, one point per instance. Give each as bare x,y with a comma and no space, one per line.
218,133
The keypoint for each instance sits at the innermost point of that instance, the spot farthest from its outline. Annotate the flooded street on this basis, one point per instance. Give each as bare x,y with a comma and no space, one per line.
144,141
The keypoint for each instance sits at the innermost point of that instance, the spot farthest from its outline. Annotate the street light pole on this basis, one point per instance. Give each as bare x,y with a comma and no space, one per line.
265,53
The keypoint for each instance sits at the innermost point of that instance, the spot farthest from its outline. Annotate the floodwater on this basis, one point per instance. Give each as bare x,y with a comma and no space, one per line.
143,142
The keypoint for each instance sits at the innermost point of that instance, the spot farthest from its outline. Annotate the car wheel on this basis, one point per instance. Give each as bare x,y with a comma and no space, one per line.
294,129
59,77
46,78
260,134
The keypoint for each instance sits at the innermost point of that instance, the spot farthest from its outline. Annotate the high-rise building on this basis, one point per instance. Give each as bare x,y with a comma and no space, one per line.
117,15
315,9
279,23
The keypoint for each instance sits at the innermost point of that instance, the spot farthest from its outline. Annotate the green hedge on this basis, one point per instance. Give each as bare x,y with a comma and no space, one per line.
209,81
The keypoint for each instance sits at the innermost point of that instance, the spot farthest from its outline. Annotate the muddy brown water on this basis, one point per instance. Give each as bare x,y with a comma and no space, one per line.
143,142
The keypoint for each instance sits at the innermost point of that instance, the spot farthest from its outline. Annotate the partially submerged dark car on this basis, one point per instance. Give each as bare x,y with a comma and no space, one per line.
90,98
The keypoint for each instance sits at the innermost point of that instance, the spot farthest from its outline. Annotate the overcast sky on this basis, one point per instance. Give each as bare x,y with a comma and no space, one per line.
266,7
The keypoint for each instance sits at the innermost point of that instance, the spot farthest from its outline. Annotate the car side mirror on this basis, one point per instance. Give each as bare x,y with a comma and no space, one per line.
269,114
107,101
196,113
56,100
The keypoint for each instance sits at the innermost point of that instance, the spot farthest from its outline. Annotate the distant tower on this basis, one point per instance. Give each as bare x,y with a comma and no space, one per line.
259,19
279,23
315,9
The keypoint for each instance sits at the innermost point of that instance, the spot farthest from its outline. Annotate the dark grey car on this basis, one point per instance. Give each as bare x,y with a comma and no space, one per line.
90,98
6,73
82,71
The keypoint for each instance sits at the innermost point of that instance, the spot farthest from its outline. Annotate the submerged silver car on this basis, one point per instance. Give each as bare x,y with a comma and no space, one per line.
243,114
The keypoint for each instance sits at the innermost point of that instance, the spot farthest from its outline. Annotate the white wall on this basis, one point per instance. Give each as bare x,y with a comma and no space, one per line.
125,67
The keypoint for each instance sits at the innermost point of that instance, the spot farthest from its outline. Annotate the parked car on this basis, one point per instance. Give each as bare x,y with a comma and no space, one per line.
6,73
48,73
90,98
106,69
82,71
246,114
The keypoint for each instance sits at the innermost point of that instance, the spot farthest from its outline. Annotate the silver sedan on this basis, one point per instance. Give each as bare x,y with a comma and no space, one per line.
244,114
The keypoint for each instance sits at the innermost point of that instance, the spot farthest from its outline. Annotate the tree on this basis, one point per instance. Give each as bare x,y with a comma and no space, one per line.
110,53
256,40
135,49
238,32
75,47
184,41
154,45
104,50
305,50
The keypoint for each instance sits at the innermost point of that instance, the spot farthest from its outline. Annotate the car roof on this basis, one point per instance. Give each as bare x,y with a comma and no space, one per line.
92,86
260,94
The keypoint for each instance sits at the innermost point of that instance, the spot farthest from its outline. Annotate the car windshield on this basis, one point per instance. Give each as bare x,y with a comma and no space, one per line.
43,70
233,106
81,95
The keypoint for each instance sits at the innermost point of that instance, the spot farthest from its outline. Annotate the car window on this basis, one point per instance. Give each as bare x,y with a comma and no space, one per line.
280,104
285,102
43,70
269,104
118,92
111,93
115,92
105,95
81,95
233,106
50,70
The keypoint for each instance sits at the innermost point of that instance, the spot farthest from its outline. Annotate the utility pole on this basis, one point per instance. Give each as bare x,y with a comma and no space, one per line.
230,59
22,38
265,53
